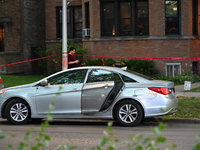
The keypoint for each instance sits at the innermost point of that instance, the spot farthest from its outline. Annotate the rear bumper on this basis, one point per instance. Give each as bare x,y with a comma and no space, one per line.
162,106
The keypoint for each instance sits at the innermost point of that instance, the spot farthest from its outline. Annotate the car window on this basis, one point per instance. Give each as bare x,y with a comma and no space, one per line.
68,77
127,79
117,78
100,76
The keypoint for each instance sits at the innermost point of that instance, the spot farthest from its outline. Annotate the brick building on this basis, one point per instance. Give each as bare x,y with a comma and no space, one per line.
136,28
22,29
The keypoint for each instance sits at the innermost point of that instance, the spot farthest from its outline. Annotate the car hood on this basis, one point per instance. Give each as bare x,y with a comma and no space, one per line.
20,86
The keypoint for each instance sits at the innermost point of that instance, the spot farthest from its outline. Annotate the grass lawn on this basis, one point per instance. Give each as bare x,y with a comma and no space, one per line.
194,90
188,107
14,80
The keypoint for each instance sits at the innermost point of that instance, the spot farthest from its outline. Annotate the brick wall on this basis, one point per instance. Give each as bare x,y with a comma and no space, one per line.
22,34
50,17
12,41
157,15
156,45
33,33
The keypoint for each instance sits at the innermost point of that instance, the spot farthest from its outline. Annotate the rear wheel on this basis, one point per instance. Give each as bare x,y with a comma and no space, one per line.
17,112
128,113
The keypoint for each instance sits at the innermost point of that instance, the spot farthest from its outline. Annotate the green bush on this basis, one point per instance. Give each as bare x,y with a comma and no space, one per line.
55,63
42,63
180,79
110,62
99,62
95,62
146,67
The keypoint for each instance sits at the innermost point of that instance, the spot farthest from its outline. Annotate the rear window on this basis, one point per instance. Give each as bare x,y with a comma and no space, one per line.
139,74
127,79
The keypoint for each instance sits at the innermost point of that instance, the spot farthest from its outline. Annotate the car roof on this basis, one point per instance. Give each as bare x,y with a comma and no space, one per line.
135,75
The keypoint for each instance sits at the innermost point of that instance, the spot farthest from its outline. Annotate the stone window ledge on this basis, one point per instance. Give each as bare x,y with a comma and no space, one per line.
141,38
10,53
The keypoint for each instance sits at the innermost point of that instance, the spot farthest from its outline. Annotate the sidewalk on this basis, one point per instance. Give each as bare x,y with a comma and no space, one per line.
180,88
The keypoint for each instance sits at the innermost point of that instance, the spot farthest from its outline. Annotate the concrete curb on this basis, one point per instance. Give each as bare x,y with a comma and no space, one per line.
185,120
187,94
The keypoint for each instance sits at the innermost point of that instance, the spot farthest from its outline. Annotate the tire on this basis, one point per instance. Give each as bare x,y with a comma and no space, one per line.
18,112
128,113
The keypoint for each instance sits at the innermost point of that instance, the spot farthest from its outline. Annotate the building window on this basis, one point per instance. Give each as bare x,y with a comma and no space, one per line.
195,67
173,69
172,17
74,22
1,38
124,17
195,17
87,15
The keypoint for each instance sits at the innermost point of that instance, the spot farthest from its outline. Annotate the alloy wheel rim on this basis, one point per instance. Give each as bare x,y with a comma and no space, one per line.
128,113
19,112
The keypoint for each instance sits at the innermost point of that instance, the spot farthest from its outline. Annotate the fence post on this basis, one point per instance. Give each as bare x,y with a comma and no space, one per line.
103,60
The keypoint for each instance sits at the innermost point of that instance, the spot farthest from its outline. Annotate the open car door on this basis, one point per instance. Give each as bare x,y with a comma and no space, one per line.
99,91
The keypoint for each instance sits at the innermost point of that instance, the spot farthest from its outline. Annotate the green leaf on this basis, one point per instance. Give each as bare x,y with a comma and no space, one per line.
60,88
161,139
139,147
111,148
166,117
52,106
110,123
46,137
9,147
174,146
49,117
104,141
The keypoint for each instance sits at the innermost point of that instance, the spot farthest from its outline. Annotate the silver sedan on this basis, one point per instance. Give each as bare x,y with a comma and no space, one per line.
95,92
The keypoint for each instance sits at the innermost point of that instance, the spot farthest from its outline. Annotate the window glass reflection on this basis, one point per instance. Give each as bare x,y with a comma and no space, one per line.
68,77
142,18
171,8
172,17
124,18
100,76
1,37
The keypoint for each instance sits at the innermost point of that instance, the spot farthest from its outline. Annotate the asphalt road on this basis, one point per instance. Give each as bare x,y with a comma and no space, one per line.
86,134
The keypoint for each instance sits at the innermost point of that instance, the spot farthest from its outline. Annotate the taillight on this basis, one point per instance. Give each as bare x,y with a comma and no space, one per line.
161,90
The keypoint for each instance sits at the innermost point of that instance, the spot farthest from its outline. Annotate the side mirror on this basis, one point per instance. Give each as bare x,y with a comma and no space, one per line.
44,82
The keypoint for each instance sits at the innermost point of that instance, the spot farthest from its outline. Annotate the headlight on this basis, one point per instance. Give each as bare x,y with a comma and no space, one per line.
2,91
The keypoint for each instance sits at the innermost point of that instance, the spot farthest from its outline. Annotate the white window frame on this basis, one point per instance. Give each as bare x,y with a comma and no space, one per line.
173,68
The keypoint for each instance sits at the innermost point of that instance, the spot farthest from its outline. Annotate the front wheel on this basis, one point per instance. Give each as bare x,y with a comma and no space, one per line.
17,112
128,113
